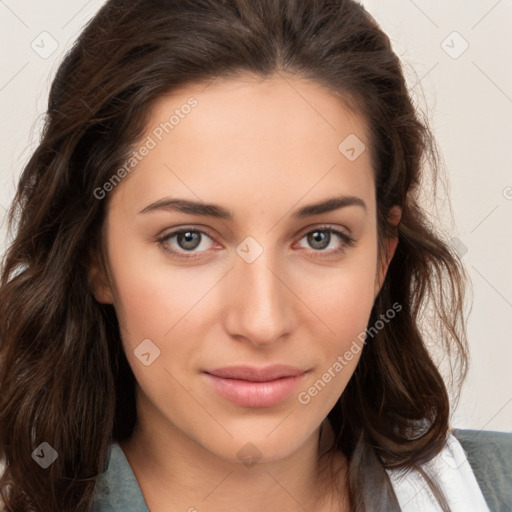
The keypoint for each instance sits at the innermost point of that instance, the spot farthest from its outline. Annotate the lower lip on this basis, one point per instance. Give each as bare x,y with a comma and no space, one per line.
255,394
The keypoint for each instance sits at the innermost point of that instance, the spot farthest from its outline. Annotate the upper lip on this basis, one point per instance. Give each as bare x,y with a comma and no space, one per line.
254,374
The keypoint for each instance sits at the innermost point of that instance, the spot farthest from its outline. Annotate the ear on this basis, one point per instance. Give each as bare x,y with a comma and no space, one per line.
99,281
394,217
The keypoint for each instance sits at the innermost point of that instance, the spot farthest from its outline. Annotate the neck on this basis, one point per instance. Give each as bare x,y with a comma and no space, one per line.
175,473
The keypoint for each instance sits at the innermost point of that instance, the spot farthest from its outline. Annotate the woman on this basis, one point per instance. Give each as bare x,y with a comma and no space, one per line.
214,295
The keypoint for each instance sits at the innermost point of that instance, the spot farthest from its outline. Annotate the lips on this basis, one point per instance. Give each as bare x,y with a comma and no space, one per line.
253,374
249,386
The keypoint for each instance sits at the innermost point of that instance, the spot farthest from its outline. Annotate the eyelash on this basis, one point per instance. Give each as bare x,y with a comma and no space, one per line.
346,242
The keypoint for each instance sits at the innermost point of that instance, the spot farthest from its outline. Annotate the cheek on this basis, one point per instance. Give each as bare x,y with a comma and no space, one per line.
341,297
346,311
342,301
151,294
156,305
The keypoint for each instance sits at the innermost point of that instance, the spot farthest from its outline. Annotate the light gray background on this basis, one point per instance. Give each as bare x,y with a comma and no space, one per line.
467,96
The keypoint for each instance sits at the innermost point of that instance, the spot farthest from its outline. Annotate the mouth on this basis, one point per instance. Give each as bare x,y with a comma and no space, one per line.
249,386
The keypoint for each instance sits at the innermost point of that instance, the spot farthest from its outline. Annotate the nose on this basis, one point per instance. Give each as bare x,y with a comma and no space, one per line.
260,307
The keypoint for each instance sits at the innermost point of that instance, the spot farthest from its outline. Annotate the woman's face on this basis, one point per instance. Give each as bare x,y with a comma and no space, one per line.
259,172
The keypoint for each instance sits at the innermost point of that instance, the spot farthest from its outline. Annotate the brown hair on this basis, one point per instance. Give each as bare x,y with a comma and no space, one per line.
64,378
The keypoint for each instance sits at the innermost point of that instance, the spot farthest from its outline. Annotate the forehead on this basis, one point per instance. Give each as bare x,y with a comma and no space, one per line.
255,137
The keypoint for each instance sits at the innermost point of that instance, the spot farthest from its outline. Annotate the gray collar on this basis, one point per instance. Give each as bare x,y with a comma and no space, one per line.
117,488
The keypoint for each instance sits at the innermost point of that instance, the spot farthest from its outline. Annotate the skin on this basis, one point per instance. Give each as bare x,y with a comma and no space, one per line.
261,149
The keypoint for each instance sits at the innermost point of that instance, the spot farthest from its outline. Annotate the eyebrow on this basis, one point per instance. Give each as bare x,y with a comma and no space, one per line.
219,212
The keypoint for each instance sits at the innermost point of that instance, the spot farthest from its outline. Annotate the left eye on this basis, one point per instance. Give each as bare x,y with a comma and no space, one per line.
322,238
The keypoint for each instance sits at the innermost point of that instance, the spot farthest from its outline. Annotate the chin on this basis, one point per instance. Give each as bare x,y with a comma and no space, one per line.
257,443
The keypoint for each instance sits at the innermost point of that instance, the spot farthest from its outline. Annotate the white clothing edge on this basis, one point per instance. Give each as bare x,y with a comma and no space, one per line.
451,470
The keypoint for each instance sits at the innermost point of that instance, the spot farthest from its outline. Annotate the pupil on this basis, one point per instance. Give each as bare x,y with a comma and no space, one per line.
319,239
188,240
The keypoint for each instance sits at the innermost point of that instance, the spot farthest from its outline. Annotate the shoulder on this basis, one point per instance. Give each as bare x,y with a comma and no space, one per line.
462,473
490,457
484,440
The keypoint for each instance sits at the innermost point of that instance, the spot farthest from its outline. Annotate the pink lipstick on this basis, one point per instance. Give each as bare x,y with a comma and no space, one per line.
249,386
